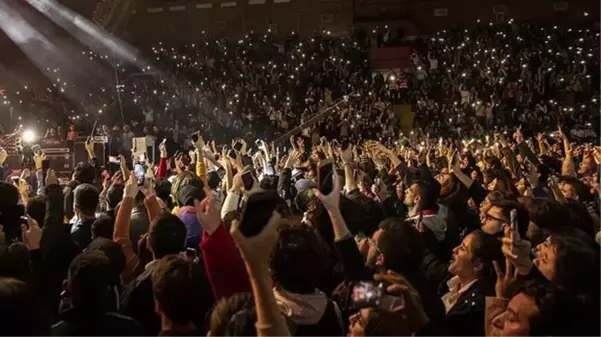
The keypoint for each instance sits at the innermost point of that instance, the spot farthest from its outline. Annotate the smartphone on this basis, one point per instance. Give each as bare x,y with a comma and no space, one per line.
366,294
232,154
325,178
258,142
513,219
257,211
114,160
269,170
194,137
322,141
238,146
164,141
248,181
139,172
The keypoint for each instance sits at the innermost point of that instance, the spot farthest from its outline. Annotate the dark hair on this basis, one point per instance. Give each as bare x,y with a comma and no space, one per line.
163,190
560,313
10,211
84,173
546,214
401,245
15,262
487,249
429,191
167,235
523,220
90,278
500,195
383,323
36,208
20,311
103,227
234,316
113,252
9,195
505,184
579,217
544,172
299,259
580,189
175,284
577,260
114,195
85,198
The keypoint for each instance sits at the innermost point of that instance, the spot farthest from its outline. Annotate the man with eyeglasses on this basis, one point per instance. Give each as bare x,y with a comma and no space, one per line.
498,216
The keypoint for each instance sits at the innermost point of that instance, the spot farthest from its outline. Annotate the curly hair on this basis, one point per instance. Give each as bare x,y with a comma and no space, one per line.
234,316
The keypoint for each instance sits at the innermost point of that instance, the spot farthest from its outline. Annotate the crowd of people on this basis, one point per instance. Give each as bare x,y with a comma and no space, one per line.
483,219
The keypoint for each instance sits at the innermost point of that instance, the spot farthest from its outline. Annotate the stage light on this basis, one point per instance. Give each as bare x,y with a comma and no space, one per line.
29,136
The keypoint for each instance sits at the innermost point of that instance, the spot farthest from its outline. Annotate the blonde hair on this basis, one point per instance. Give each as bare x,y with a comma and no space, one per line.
183,179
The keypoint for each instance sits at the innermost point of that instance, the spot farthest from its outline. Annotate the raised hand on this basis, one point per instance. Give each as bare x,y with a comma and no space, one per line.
413,309
256,250
331,201
207,212
516,250
506,282
31,234
123,167
346,155
163,150
199,143
131,187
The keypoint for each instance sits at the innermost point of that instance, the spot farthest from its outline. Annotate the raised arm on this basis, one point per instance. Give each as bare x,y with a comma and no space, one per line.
345,245
567,167
350,184
224,266
256,251
162,169
121,231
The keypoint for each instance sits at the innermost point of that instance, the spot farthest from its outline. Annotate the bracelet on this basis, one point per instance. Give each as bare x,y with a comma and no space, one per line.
263,326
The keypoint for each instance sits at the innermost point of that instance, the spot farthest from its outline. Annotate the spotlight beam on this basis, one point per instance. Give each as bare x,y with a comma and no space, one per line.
75,24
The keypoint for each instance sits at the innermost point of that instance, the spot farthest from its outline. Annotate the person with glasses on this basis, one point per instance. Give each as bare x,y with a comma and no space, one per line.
498,216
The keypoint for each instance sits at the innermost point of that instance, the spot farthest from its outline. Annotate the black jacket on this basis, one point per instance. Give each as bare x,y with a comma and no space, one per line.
57,250
466,317
73,323
81,233
137,302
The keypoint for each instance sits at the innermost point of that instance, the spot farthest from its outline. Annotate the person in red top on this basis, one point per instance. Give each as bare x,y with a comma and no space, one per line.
72,134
